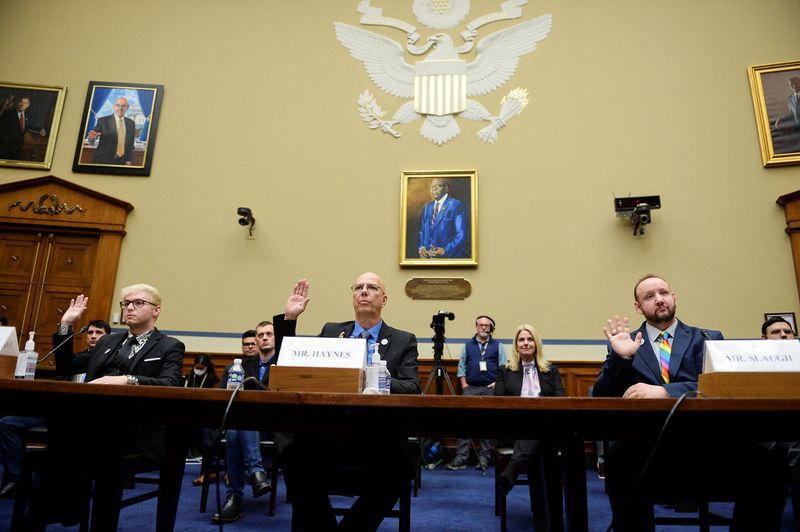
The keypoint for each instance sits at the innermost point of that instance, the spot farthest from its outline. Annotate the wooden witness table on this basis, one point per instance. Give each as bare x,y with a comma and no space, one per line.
564,421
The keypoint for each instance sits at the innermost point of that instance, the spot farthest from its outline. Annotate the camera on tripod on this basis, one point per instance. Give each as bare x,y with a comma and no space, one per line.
439,373
438,319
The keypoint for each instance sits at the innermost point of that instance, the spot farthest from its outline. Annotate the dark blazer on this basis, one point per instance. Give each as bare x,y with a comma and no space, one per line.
509,382
251,364
158,363
399,352
106,152
685,364
448,231
12,136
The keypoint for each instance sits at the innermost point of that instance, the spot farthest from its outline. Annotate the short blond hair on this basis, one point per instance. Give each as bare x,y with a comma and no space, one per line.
155,296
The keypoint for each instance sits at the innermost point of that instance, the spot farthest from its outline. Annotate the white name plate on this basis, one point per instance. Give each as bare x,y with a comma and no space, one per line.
8,341
314,352
751,355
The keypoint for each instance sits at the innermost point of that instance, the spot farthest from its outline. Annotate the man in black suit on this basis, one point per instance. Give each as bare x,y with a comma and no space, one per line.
663,359
79,448
13,124
385,463
116,133
243,447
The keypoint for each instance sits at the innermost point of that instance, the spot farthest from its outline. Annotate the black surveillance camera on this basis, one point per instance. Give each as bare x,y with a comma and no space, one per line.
641,214
246,218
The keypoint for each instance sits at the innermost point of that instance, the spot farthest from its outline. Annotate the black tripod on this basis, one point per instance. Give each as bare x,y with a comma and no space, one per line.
438,372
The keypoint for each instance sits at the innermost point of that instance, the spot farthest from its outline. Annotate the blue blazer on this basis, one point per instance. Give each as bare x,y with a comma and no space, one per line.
448,231
685,364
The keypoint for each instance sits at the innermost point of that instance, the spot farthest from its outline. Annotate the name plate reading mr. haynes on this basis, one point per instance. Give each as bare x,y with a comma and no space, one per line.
313,352
751,355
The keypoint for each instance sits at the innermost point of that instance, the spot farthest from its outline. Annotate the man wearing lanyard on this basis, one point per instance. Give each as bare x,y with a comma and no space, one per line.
480,358
243,449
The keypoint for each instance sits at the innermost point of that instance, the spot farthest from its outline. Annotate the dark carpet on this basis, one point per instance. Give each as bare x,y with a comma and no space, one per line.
448,501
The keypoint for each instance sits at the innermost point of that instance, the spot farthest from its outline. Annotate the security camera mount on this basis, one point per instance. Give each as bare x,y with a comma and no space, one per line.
637,209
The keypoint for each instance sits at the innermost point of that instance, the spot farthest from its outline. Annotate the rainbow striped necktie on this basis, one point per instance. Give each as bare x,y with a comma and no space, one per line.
664,351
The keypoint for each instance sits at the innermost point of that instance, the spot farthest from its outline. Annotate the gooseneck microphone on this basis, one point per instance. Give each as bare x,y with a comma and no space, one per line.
80,331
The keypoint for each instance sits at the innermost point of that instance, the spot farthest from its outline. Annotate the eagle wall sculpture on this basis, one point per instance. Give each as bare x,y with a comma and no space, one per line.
442,85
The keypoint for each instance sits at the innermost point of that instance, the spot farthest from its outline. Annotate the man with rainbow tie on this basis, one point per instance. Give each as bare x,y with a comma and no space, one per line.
663,359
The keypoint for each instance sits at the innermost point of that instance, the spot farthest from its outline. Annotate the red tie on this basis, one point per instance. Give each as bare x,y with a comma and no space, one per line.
435,212
22,121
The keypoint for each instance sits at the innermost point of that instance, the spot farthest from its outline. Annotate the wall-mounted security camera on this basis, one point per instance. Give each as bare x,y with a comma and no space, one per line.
246,217
637,208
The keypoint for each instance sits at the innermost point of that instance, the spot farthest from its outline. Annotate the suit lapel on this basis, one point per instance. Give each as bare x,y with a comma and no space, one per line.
647,356
545,384
104,354
679,345
146,348
440,214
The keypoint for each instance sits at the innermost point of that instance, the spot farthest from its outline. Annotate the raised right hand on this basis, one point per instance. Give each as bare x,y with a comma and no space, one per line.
618,334
76,309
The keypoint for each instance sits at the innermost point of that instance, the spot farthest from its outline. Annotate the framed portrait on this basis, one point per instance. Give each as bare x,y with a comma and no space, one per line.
118,128
29,119
776,99
439,218
788,316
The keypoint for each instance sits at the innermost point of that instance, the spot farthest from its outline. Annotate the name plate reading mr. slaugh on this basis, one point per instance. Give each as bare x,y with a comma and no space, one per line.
752,355
438,288
313,352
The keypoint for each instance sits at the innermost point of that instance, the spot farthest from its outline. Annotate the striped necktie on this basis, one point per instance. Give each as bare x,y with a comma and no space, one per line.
664,352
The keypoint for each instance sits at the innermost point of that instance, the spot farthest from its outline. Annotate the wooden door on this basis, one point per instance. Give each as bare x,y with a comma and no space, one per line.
57,240
39,274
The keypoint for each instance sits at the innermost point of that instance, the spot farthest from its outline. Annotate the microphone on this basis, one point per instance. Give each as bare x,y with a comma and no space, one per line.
705,334
80,331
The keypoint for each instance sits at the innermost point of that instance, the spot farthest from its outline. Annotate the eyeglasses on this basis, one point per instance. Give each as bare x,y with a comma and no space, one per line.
248,344
137,303
371,288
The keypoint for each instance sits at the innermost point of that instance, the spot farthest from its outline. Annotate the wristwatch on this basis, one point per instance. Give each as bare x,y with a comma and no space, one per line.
132,380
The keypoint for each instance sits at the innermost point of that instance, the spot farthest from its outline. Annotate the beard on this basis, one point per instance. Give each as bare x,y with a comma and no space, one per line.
661,316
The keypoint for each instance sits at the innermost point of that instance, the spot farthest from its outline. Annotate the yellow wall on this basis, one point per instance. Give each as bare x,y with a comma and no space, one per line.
260,111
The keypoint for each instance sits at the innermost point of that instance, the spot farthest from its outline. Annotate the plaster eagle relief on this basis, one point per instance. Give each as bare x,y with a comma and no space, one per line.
441,85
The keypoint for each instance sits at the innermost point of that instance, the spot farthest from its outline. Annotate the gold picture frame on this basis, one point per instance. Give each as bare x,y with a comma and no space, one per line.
29,141
776,100
450,236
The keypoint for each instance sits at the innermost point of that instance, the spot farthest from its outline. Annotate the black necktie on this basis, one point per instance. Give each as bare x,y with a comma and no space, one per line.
126,351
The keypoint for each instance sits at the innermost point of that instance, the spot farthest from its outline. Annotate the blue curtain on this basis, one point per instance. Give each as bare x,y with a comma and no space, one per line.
100,97
146,97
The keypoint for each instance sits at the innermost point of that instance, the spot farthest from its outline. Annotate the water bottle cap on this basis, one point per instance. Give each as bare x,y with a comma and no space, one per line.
237,360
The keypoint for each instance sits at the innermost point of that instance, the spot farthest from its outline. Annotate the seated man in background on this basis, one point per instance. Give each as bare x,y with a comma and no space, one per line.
663,359
243,447
777,328
13,428
308,459
79,447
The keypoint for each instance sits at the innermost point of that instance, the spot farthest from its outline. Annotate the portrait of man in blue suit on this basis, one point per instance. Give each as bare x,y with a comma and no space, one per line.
443,231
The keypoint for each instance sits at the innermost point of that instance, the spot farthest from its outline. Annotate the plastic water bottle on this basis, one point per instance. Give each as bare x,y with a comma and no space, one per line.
26,363
371,375
433,452
236,374
384,378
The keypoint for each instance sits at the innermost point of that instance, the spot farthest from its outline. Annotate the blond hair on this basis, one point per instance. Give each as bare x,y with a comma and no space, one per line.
513,362
155,296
